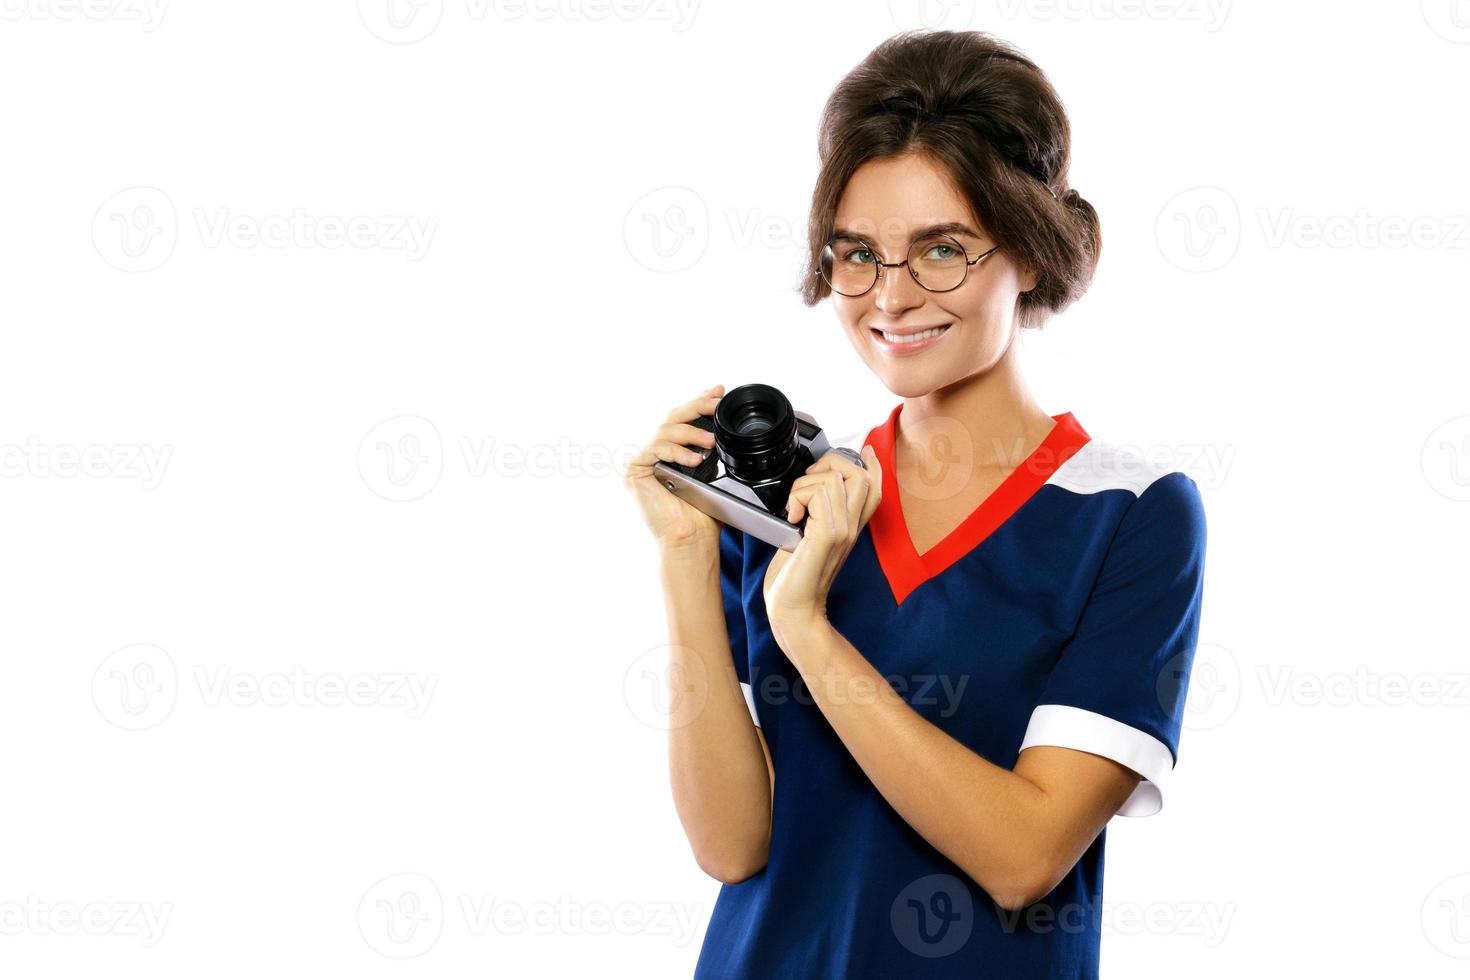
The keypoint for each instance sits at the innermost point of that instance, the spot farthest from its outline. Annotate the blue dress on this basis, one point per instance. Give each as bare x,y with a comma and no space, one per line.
1063,611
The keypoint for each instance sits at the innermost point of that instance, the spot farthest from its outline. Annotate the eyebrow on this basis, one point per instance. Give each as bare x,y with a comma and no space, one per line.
946,228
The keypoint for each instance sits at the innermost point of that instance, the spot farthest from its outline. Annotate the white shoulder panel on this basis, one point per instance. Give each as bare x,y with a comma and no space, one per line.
1104,466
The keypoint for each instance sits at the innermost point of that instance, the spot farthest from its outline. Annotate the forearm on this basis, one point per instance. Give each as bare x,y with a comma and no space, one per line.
990,821
717,768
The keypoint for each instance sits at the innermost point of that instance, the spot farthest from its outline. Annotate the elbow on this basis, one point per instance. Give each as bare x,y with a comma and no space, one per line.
1025,887
731,869
1016,899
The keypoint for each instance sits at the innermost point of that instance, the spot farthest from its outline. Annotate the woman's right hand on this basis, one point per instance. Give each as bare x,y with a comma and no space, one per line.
675,524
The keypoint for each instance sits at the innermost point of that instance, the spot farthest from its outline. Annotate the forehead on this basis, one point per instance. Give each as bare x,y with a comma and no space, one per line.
887,200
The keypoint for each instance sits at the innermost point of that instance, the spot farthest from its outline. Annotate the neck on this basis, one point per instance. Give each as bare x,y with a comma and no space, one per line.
995,407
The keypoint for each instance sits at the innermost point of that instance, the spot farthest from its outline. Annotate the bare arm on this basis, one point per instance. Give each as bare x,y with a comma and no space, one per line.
719,765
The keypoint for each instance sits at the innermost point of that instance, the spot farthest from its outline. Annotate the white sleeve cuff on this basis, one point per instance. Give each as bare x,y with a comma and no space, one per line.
1087,731
750,702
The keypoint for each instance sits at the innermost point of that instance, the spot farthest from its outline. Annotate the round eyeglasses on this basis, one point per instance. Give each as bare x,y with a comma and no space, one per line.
939,263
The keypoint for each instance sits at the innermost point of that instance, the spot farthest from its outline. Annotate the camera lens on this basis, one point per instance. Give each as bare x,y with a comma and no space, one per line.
755,433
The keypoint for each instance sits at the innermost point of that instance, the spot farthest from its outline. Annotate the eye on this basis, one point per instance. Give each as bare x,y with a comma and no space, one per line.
856,255
940,251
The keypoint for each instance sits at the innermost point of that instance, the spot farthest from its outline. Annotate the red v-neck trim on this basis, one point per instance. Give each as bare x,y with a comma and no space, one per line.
903,567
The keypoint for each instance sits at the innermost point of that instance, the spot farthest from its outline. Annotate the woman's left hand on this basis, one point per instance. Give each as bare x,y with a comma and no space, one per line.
838,497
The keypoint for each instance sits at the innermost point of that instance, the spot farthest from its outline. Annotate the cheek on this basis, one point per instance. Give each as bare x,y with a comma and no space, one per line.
990,306
850,313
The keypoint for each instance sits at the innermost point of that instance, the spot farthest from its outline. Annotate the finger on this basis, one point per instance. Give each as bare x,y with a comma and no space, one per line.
856,487
795,507
855,479
797,500
704,404
859,480
796,503
834,461
811,500
838,488
642,464
684,434
875,484
805,490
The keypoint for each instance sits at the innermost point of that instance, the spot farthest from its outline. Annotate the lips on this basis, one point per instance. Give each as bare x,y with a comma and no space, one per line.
909,340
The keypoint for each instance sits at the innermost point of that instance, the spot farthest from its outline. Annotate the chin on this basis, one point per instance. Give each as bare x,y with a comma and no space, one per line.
907,382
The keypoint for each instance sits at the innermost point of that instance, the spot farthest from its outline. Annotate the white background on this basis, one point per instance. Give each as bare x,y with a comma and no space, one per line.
392,461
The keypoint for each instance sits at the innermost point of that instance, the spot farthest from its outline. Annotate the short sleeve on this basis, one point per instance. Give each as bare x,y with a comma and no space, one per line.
732,573
1118,689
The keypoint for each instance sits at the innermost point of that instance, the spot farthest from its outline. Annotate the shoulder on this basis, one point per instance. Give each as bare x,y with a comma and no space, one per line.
1160,499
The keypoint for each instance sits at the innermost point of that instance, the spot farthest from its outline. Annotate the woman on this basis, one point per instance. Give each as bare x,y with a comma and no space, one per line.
900,743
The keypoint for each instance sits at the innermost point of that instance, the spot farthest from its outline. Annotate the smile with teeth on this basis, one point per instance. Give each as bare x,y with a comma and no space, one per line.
913,338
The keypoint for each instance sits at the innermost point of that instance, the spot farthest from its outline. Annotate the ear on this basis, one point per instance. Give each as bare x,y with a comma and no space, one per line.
1028,278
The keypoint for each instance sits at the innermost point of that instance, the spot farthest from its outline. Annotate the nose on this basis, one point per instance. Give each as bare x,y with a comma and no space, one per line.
896,291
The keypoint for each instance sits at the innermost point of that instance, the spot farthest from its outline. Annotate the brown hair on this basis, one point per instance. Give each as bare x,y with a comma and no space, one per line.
985,113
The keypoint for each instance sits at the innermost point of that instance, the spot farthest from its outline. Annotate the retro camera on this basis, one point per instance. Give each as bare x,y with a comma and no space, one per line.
761,446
